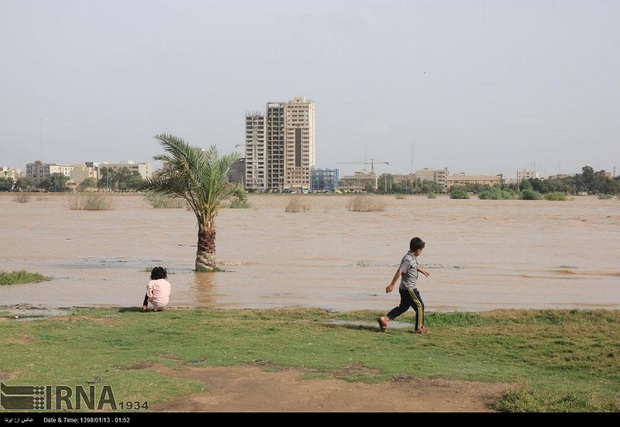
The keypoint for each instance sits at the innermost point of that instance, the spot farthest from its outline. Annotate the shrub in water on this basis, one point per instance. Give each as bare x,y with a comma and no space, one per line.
555,196
90,201
163,201
529,194
296,204
366,203
458,193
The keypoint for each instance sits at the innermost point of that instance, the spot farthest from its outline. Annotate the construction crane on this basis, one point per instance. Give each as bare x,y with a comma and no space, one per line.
372,167
366,162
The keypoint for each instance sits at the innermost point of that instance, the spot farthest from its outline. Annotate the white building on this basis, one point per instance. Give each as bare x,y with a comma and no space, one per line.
7,172
526,174
144,169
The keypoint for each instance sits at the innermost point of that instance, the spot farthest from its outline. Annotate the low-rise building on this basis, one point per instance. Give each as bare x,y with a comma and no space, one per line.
358,182
437,176
7,172
323,180
144,169
38,171
82,171
462,179
526,174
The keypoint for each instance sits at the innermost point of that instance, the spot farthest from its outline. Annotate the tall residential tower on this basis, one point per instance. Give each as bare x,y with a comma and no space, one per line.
255,163
280,147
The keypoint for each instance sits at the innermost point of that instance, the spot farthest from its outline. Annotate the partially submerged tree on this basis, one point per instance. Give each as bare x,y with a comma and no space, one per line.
199,177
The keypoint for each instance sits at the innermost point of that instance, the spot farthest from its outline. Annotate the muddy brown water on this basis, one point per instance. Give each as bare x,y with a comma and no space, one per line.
482,254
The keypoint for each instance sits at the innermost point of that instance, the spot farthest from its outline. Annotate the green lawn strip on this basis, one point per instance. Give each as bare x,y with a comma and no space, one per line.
552,363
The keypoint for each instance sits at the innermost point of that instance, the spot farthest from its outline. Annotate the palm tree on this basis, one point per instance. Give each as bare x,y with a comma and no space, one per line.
199,177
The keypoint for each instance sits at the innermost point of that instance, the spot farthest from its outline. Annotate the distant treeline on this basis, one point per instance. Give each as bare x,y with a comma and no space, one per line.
586,182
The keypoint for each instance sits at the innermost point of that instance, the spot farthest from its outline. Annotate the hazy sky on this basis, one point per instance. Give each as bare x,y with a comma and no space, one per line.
481,87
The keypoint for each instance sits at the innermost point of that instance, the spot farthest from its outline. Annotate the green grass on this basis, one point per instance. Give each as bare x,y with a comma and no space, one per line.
22,276
557,360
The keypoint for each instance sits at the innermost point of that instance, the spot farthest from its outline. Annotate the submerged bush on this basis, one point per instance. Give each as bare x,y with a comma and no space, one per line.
555,196
366,203
496,193
90,201
458,193
21,198
163,201
296,204
240,202
529,194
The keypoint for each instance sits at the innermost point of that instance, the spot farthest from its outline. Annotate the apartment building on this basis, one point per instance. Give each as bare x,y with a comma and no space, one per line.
145,170
82,171
526,174
299,143
255,153
7,172
274,141
38,171
280,147
462,179
438,176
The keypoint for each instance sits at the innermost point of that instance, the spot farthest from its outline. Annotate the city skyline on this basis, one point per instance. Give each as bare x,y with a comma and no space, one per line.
484,88
363,167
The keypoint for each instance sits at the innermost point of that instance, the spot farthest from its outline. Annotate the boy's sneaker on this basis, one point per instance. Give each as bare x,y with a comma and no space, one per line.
422,330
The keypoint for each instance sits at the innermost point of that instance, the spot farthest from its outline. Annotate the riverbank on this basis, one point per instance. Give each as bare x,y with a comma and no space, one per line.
290,359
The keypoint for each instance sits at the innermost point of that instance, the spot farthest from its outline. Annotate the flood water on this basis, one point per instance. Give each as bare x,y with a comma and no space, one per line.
482,254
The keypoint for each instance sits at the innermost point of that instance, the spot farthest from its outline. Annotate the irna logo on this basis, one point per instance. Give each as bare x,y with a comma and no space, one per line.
57,398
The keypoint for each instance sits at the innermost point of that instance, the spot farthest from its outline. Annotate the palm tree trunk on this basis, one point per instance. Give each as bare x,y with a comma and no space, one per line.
205,254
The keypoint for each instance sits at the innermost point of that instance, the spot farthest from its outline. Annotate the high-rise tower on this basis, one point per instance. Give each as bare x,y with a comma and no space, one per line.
299,143
274,142
289,145
280,147
255,164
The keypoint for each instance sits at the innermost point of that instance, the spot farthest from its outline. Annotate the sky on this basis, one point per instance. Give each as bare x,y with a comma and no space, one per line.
480,87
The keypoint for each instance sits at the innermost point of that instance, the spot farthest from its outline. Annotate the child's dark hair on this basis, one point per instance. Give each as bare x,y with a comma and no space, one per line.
159,273
416,243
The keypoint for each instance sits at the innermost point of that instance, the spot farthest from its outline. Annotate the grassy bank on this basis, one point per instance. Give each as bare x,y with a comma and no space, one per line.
557,360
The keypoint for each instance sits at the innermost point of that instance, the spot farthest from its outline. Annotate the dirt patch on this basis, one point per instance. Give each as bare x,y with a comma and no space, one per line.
29,312
255,389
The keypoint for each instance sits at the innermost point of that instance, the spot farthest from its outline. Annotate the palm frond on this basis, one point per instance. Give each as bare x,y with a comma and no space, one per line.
197,175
